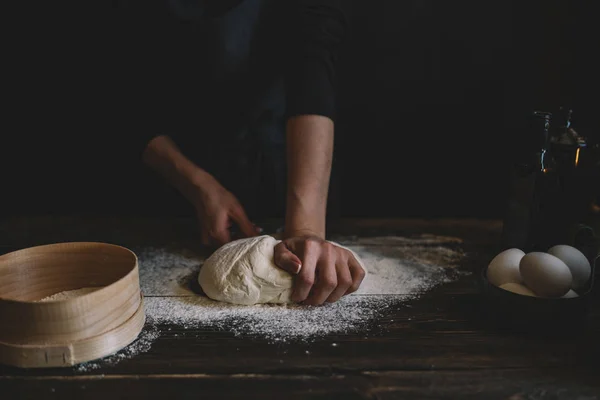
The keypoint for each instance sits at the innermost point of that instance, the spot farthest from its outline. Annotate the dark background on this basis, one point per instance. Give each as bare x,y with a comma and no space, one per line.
432,97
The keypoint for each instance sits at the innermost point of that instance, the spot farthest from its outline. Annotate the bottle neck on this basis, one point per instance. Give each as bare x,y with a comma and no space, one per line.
540,130
533,153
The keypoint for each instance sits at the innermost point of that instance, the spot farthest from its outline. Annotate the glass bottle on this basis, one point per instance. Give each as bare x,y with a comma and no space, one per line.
579,179
532,219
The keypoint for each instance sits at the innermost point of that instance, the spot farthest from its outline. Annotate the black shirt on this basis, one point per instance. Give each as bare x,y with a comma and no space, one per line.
167,52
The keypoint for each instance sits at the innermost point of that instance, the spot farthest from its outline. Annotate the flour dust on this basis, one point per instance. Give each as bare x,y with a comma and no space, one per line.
400,269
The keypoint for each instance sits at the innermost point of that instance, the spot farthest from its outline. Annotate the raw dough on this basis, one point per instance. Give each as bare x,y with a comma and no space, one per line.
244,272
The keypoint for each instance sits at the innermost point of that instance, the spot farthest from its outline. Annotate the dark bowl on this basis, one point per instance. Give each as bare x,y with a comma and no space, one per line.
515,312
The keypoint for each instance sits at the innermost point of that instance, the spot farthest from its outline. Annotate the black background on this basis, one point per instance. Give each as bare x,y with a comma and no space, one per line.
432,96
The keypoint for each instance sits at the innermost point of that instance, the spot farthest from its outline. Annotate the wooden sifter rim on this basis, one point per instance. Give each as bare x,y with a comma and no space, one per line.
69,354
30,274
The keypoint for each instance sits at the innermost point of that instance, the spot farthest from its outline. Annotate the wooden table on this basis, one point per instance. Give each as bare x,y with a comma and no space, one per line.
437,348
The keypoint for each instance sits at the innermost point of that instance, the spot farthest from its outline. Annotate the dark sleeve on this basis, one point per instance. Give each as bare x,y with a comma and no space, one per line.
317,30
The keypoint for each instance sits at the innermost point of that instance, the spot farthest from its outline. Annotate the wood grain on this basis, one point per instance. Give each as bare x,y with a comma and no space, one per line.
443,345
44,355
69,331
515,384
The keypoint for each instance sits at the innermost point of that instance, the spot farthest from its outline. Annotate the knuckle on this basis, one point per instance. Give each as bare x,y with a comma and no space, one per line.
328,250
345,281
306,280
360,273
311,244
329,283
278,249
326,246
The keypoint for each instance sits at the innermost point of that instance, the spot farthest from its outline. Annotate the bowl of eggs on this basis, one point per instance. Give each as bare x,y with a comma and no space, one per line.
539,288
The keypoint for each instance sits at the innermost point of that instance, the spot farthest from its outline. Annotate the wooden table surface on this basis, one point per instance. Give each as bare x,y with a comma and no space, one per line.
437,348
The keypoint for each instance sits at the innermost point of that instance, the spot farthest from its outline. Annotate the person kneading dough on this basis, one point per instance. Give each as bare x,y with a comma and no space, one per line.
244,272
250,139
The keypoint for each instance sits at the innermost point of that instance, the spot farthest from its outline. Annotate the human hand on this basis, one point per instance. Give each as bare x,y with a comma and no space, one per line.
324,272
217,210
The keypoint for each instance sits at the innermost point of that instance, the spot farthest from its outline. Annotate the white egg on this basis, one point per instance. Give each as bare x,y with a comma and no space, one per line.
518,288
576,261
504,268
545,274
570,294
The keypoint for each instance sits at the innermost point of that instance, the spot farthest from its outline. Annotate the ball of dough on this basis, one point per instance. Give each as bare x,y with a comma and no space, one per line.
244,272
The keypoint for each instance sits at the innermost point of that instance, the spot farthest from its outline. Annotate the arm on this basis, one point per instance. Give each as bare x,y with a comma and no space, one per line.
164,157
317,31
309,154
215,207
324,272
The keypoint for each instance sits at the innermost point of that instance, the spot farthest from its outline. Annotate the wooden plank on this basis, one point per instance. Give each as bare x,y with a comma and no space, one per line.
436,332
516,384
436,346
513,384
194,386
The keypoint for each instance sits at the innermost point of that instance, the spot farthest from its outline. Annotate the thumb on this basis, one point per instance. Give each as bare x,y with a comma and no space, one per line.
286,260
247,227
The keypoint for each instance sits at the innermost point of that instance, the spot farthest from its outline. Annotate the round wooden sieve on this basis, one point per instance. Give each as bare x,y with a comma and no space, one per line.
74,330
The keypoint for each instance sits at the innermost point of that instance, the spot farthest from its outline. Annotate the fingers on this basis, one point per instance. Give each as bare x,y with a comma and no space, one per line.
286,260
306,277
327,272
220,230
248,228
357,272
326,279
344,281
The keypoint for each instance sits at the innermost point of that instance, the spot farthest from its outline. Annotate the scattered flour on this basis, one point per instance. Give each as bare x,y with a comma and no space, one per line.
141,345
274,323
69,294
400,269
165,272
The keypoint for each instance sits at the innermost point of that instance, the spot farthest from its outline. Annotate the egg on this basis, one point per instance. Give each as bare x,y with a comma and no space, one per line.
545,274
504,267
518,289
570,294
576,261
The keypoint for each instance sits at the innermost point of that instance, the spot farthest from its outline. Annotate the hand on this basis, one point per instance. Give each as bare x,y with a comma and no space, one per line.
324,272
215,206
217,209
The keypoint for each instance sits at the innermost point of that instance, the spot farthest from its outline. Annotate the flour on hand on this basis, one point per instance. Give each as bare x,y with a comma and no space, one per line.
244,272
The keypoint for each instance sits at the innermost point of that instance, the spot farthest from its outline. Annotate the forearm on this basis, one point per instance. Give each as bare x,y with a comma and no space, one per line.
309,157
163,156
